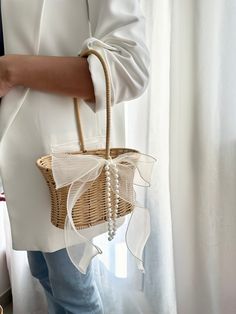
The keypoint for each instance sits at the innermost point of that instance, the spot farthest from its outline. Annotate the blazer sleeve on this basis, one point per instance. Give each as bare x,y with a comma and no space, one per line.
118,32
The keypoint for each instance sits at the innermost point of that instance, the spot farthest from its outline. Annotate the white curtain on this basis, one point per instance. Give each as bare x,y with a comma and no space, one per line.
186,119
202,155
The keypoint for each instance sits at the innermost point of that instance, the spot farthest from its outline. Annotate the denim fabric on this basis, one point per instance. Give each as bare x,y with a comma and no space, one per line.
67,290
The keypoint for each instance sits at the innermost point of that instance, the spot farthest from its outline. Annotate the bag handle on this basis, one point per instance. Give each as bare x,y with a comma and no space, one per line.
108,105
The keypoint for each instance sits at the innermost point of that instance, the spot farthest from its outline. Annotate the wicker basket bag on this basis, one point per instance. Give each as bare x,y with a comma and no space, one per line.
93,206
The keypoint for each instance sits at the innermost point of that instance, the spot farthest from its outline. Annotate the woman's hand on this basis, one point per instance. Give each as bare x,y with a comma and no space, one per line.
5,79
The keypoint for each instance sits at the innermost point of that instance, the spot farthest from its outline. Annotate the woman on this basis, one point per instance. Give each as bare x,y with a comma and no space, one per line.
39,74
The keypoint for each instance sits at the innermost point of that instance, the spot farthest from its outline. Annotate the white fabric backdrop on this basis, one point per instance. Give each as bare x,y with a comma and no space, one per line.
202,155
186,119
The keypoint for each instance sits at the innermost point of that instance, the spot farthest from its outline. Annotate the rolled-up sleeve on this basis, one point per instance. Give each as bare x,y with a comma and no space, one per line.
119,34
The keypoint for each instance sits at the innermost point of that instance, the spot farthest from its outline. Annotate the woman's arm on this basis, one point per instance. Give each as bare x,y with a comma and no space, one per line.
64,75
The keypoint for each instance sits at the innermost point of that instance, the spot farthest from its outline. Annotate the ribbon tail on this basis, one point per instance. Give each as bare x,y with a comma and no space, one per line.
79,247
137,234
80,254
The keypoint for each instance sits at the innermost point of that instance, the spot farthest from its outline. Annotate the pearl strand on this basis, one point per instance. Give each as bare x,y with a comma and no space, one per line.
117,199
112,227
108,192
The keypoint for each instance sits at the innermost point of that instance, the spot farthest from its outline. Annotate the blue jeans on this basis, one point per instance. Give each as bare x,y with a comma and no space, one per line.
67,290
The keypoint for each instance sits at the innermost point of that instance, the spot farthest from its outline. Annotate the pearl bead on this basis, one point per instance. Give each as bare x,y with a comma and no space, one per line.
112,210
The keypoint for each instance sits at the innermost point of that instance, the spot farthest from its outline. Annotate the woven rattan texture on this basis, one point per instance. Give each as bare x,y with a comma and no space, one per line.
90,209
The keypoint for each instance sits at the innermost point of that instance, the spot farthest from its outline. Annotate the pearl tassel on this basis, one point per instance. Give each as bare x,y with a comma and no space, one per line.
112,214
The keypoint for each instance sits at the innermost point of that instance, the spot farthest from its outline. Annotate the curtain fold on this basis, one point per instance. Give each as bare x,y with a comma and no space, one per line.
202,158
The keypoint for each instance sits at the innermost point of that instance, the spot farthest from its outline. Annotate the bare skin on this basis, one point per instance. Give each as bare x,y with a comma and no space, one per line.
63,75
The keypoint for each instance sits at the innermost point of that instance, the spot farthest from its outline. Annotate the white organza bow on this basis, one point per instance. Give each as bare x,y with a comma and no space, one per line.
79,171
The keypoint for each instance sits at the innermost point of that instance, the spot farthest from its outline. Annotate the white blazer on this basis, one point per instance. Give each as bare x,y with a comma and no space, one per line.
31,122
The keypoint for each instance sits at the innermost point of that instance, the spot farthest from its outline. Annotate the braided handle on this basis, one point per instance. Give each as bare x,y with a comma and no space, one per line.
108,104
